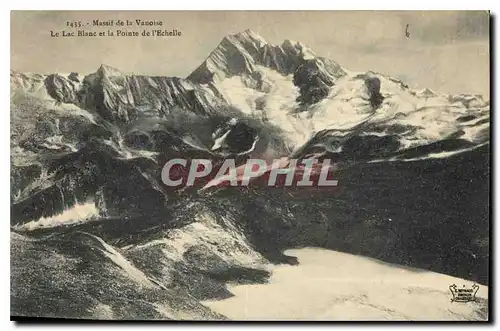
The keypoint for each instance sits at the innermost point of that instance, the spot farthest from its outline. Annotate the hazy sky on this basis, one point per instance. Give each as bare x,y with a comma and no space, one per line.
446,51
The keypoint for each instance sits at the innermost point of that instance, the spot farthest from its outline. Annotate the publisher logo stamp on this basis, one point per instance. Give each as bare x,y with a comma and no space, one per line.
463,293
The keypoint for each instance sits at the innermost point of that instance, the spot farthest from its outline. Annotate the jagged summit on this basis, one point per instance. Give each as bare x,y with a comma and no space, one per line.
108,70
427,93
239,54
247,36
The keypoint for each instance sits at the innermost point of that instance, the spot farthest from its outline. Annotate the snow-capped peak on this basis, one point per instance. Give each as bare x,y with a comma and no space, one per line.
239,54
426,93
285,85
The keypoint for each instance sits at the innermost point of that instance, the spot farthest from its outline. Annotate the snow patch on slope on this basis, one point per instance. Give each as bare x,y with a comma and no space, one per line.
79,213
206,233
360,289
428,117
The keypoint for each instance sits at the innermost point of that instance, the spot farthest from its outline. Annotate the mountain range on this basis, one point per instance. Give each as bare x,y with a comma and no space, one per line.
89,210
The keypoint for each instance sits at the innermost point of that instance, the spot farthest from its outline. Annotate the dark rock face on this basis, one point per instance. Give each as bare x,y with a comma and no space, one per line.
60,88
466,118
22,176
373,86
121,97
367,147
74,77
283,59
124,98
313,83
139,140
237,137
78,176
240,138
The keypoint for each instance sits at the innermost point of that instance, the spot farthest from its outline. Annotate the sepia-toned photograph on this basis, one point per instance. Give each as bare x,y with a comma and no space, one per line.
250,165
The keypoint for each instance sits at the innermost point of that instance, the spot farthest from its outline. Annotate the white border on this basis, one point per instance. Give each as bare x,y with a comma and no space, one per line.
252,5
184,5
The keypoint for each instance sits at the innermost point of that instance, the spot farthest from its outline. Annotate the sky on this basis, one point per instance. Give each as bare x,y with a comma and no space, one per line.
446,51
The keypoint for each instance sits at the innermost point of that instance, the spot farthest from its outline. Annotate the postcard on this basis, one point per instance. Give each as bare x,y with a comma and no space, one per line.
250,165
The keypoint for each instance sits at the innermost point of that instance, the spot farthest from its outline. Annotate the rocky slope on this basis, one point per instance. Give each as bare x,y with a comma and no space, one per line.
88,207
